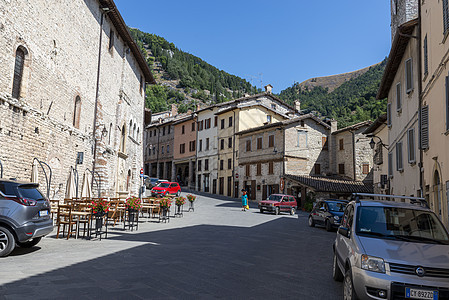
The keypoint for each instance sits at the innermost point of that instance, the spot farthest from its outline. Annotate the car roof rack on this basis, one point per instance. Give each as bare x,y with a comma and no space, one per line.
411,200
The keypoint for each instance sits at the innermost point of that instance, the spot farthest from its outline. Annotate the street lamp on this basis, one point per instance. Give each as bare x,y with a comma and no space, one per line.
372,143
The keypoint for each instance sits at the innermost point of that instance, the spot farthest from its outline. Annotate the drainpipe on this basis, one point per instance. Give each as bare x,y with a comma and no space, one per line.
420,164
103,12
157,151
196,153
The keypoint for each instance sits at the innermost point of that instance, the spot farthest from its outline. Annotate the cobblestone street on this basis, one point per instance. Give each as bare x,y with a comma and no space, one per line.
218,251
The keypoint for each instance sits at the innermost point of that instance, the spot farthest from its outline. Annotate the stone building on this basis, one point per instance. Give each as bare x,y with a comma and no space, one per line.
159,149
72,81
295,146
238,115
378,132
352,153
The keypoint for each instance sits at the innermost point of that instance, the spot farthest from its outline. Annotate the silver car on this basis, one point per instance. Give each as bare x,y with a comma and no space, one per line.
391,250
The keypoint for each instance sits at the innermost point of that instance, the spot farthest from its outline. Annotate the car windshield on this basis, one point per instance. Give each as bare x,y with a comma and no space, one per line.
400,223
336,206
275,197
163,184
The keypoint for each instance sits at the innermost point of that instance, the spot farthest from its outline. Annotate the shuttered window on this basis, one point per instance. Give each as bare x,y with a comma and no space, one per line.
248,145
270,167
445,16
424,122
230,142
408,75
199,165
390,164
398,97
271,141
259,169
259,143
411,146
221,164
221,144
341,169
18,73
229,163
426,58
399,162
365,169
341,144
389,114
248,170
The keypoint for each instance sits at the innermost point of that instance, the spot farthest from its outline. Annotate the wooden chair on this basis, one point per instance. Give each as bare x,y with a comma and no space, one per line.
83,219
54,208
156,208
116,210
65,218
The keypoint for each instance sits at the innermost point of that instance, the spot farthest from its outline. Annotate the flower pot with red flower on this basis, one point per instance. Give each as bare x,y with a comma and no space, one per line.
132,205
99,208
191,199
179,201
165,204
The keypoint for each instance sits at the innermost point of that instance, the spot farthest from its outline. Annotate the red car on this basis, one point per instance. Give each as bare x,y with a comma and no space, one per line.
277,203
165,188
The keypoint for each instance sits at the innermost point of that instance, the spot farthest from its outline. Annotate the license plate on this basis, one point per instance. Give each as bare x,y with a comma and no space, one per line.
411,293
43,213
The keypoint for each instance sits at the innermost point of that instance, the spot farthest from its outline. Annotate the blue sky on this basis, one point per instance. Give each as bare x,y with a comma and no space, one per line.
276,42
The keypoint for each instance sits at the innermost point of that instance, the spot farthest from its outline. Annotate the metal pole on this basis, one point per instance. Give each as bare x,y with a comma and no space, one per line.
1,169
47,180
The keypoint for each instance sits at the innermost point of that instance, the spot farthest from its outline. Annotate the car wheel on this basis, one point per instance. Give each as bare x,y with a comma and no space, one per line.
337,275
178,194
311,222
29,244
276,210
7,242
349,293
292,211
261,211
328,225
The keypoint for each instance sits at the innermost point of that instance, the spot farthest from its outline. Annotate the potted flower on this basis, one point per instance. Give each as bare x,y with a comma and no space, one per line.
179,201
191,199
165,203
133,206
99,207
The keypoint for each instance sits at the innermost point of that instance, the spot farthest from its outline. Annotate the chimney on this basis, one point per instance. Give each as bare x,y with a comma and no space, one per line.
297,105
174,110
333,124
268,88
198,107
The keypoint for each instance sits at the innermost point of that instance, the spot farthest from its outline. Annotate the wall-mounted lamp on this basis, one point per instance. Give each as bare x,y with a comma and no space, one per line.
372,143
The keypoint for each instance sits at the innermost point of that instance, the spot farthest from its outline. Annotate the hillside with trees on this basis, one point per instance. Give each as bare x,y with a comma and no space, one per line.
187,81
184,78
353,101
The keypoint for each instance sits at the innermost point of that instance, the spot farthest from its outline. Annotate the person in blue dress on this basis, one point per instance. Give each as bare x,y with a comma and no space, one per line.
244,200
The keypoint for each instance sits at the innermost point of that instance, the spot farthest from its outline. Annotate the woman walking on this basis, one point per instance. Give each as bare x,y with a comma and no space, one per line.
244,200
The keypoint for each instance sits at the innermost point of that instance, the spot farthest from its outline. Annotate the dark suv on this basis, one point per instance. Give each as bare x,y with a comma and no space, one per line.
24,215
327,213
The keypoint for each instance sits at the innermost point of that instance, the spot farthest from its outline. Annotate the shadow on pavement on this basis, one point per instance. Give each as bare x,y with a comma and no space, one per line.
282,258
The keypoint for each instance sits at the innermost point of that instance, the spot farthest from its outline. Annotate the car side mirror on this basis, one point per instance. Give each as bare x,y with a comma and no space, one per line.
343,231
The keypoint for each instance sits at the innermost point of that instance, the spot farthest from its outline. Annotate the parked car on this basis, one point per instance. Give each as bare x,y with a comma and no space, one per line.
277,203
24,215
165,188
327,213
150,182
391,250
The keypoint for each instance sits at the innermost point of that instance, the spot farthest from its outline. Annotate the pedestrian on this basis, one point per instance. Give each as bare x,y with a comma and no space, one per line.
244,200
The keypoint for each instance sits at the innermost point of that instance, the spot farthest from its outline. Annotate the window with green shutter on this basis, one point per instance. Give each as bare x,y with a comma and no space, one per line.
424,130
408,75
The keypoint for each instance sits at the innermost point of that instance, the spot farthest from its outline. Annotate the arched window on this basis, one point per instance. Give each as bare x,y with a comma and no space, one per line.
130,127
77,112
18,72
123,139
138,132
134,131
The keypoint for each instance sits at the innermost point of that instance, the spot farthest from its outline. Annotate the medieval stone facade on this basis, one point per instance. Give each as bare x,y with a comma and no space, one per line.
72,81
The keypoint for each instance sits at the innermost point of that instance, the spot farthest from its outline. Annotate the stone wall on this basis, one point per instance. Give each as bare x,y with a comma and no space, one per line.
61,42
